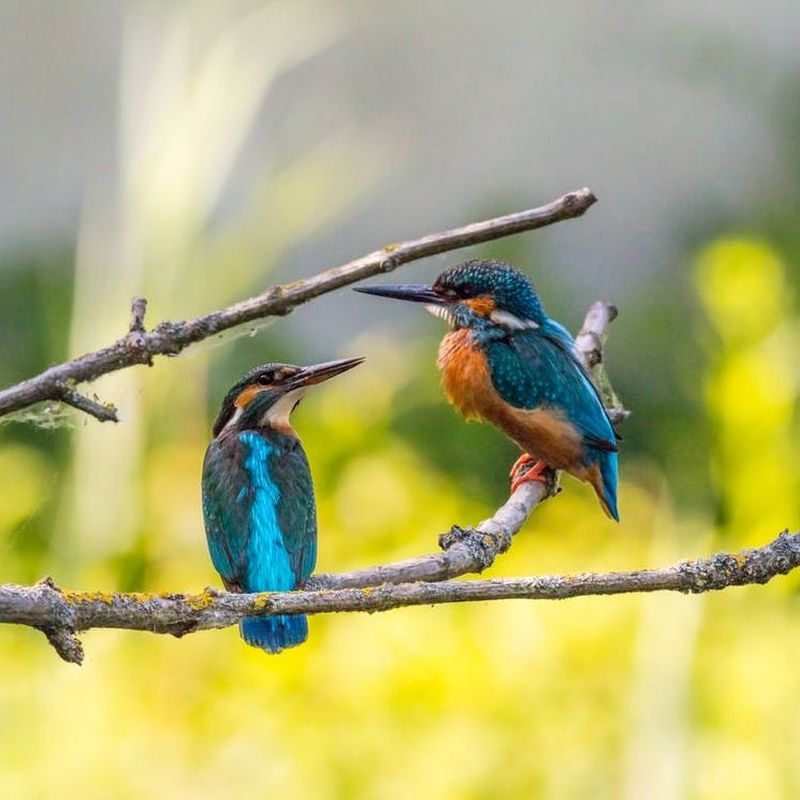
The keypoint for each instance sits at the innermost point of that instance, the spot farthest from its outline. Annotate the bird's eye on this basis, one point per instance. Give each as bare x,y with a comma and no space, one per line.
265,378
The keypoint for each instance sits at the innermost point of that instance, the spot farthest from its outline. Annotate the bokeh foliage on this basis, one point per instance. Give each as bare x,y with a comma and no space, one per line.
658,697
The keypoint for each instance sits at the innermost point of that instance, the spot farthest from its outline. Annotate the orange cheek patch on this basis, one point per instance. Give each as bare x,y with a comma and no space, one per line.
247,394
482,306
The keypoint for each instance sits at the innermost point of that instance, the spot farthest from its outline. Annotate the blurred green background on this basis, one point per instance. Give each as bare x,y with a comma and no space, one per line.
197,152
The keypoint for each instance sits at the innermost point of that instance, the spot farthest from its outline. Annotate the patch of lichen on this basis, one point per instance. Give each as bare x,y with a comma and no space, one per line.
262,601
110,598
200,602
74,598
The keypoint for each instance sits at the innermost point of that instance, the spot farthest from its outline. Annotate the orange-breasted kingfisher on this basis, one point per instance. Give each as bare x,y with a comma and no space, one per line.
258,496
505,361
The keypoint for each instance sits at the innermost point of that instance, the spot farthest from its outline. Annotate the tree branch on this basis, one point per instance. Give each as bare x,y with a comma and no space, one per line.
101,411
48,608
589,345
465,550
170,338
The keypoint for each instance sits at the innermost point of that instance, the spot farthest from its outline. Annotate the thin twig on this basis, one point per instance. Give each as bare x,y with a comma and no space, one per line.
105,412
589,344
48,608
138,310
170,338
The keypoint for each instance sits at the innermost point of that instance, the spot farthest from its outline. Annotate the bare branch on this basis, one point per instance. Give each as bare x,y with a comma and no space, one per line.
66,644
138,310
105,412
589,344
465,550
48,608
170,338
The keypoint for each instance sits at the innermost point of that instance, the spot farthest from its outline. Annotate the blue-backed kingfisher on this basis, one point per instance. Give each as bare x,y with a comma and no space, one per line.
258,497
505,361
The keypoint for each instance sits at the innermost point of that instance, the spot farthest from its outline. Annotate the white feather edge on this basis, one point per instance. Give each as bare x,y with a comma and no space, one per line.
512,321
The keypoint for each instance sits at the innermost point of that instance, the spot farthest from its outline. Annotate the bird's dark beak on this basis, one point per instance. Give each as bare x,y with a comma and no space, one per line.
415,292
317,373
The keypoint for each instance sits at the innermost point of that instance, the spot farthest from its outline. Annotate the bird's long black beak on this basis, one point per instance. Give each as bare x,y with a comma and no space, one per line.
317,373
415,292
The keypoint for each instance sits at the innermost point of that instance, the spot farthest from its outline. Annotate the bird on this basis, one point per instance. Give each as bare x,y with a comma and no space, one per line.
258,496
506,362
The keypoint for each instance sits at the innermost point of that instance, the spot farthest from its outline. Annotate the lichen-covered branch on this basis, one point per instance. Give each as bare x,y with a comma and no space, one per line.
139,346
464,550
50,609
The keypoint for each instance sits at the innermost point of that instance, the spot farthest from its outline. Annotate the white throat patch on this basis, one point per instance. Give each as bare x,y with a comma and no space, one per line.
277,415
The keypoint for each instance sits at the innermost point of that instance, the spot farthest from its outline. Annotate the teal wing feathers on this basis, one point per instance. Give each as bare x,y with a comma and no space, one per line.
227,496
537,368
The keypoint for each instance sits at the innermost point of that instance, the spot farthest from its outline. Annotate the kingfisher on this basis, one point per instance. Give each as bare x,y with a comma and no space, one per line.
505,361
258,496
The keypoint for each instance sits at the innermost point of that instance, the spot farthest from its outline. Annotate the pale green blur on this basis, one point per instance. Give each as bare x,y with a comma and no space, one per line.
659,697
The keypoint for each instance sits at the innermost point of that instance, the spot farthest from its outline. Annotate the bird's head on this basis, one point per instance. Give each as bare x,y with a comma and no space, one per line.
474,294
267,395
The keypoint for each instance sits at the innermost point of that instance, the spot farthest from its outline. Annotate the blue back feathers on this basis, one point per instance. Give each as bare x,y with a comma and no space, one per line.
258,503
268,567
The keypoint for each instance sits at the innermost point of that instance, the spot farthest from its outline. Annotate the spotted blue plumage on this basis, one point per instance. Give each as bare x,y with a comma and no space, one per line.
511,290
258,504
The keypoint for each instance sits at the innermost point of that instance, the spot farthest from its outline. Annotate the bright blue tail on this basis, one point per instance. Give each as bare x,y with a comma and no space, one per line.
274,634
610,472
602,473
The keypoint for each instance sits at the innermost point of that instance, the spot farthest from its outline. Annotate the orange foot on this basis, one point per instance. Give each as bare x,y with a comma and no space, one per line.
527,468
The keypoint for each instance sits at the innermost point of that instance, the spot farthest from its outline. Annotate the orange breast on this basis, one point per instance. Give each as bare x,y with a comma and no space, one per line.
465,374
542,432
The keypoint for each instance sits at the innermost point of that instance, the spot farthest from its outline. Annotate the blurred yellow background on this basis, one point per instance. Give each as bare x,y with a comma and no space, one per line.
244,151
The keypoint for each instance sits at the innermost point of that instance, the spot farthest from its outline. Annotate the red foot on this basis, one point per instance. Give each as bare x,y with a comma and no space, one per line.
527,468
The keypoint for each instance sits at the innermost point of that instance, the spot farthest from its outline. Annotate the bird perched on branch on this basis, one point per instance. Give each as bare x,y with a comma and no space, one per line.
505,361
258,497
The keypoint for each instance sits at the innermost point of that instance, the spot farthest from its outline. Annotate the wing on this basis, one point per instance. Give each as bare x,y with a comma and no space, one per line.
537,368
296,509
227,495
